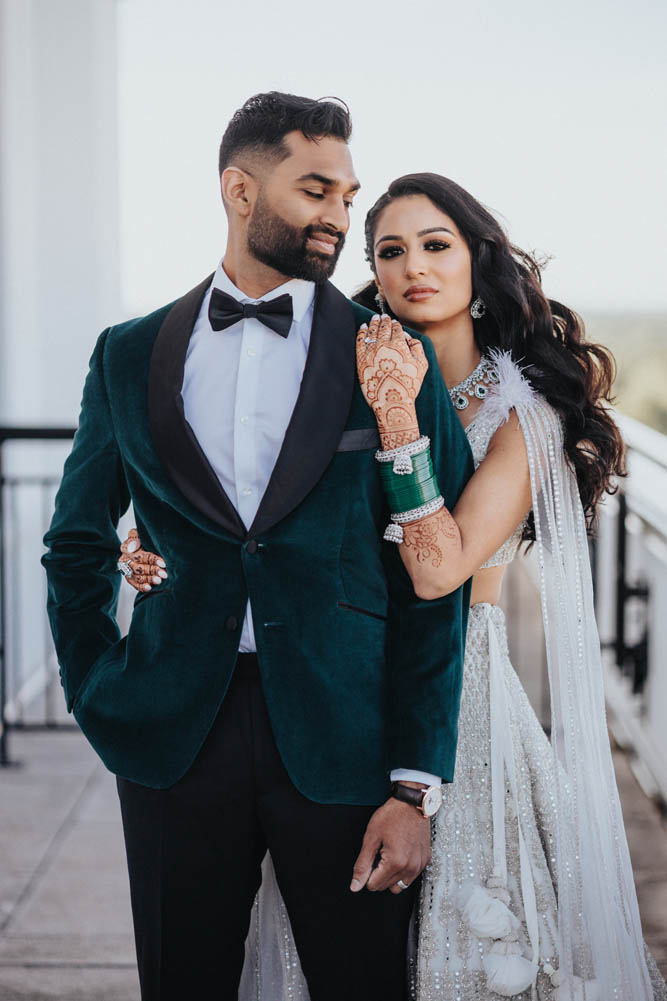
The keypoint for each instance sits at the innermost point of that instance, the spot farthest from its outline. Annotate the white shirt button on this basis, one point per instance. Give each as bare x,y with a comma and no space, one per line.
252,352
247,492
244,420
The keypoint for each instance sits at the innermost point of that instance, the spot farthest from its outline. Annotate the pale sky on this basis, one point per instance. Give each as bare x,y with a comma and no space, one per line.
552,115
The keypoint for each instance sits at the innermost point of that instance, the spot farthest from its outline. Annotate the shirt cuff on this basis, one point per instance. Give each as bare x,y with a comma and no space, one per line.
409,775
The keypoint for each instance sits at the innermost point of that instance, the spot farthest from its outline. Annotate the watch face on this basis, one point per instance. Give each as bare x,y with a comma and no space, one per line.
432,801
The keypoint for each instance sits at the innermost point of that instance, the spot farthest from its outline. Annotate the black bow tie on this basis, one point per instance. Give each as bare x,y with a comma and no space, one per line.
224,310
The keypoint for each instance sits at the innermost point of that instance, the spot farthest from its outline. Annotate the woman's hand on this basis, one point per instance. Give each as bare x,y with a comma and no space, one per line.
147,568
391,367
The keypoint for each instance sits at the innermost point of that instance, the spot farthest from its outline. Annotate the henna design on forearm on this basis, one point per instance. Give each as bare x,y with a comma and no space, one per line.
427,535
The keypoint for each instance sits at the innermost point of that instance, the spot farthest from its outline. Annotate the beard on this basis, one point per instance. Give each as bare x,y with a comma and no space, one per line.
283,247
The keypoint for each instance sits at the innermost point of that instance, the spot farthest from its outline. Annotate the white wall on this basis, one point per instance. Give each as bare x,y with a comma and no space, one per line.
59,268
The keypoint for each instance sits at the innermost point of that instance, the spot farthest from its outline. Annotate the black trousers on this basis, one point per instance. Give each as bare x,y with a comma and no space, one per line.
194,853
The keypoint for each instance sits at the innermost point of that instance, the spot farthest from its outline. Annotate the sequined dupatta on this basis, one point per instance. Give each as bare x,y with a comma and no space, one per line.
601,947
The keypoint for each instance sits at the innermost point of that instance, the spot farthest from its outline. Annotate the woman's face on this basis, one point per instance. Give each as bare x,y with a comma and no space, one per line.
422,262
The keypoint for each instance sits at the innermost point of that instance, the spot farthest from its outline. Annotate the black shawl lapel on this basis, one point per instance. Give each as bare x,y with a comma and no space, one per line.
321,410
174,439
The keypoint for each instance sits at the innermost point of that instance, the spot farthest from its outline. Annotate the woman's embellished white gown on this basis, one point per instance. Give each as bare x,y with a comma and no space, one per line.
449,960
485,921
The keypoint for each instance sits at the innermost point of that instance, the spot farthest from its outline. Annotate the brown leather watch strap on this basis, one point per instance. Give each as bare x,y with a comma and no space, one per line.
407,794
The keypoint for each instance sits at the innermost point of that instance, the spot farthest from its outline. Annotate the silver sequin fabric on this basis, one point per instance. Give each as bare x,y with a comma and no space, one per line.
444,958
448,960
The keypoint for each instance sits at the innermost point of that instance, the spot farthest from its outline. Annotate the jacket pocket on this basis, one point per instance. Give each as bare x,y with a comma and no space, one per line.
362,611
359,438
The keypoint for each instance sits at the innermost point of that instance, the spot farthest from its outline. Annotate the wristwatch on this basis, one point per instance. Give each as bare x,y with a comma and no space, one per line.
428,801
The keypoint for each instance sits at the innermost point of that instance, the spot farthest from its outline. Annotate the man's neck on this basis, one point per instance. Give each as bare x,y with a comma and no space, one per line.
249,275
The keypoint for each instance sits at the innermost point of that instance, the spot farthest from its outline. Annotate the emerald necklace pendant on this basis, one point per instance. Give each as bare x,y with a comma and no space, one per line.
477,384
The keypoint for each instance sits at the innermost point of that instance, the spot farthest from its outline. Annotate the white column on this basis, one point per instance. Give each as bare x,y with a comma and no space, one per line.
59,270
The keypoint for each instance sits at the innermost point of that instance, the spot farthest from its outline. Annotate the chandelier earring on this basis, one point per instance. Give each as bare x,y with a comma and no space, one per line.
380,301
477,308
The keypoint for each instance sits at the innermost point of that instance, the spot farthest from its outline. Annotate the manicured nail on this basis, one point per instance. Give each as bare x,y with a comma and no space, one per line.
375,316
147,587
384,316
355,885
364,326
162,574
132,546
157,580
162,564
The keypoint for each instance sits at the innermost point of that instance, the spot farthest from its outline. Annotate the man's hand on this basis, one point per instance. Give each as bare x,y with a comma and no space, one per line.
402,836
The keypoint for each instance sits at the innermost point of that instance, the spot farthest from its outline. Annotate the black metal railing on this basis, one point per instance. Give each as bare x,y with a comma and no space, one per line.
626,591
9,486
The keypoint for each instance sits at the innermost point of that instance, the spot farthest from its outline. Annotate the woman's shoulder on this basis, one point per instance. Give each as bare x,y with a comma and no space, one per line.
514,392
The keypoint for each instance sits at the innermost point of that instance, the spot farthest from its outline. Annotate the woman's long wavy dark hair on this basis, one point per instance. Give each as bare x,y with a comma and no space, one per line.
546,337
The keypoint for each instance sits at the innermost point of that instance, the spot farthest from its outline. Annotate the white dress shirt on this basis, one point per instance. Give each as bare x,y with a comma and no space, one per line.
240,387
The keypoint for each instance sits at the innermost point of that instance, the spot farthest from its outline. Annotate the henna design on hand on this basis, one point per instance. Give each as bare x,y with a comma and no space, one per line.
426,536
148,568
391,369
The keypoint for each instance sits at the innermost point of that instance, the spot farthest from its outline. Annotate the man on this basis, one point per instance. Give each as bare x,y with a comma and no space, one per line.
268,691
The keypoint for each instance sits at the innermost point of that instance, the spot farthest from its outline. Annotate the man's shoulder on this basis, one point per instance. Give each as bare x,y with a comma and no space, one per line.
139,326
145,328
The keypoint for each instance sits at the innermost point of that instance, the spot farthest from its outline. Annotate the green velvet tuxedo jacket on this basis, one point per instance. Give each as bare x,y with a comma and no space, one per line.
359,675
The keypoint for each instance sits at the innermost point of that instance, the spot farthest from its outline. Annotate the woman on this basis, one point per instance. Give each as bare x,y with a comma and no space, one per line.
529,891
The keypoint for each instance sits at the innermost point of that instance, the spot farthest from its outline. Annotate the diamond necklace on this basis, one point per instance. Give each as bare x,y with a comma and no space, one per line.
477,384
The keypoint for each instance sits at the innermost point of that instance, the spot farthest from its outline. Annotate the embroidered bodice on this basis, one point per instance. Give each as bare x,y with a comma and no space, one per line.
480,432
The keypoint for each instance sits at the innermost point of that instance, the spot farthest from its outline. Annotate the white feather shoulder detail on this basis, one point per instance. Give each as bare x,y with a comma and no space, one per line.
511,390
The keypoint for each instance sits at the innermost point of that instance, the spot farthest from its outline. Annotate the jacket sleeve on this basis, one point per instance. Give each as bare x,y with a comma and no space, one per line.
426,639
82,543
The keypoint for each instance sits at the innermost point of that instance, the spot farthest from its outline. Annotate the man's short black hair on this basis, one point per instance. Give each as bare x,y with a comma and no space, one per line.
261,125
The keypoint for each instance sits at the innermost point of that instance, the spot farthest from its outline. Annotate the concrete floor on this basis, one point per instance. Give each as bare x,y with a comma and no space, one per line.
65,921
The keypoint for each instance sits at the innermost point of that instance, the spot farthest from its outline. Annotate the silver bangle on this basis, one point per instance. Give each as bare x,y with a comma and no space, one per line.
394,531
401,456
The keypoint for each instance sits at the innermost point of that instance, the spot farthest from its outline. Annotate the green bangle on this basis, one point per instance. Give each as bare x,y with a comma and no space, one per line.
422,469
410,490
420,461
413,496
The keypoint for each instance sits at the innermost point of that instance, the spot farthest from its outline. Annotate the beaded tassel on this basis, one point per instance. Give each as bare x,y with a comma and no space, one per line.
403,464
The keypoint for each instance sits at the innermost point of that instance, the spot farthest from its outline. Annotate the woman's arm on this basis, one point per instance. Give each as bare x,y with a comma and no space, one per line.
444,549
147,568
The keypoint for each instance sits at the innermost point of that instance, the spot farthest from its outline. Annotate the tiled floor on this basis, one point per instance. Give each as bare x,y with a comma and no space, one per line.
65,923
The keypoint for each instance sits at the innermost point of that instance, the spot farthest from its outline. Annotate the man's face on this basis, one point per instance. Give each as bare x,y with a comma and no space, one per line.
302,211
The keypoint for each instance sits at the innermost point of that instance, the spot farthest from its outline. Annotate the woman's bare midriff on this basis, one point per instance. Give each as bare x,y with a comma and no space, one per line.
486,585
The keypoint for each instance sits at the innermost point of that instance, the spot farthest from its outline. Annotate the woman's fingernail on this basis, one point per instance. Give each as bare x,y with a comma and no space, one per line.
384,316
375,316
162,575
132,546
157,580
355,885
161,563
364,326
147,587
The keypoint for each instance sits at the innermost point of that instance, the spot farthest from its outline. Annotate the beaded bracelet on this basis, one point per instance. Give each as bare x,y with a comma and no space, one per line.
394,531
401,457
